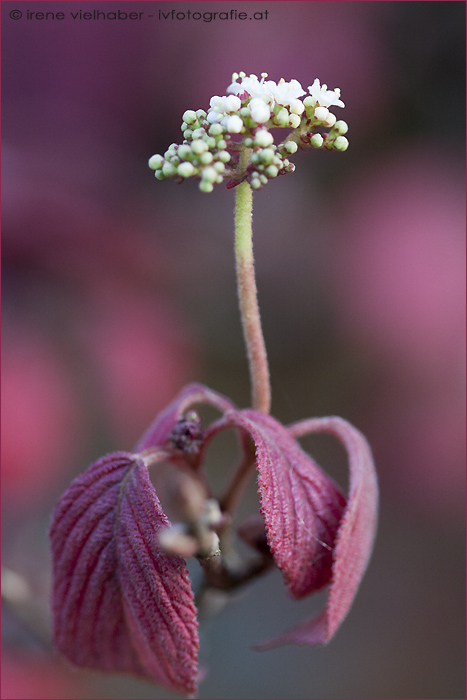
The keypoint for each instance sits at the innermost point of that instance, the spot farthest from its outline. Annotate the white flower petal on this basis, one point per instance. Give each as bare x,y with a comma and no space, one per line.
325,98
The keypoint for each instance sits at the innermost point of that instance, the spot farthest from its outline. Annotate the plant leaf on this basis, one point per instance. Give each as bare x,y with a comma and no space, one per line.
121,604
302,507
355,537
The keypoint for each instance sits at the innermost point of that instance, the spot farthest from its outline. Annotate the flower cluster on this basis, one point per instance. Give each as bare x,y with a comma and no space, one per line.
233,140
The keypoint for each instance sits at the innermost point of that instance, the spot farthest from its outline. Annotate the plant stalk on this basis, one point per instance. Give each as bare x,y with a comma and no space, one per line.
248,300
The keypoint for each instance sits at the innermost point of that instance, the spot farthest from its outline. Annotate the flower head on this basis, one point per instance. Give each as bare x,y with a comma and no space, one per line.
122,597
225,144
320,95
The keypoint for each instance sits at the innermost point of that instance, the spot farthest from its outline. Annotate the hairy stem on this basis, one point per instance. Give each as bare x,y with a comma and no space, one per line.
247,294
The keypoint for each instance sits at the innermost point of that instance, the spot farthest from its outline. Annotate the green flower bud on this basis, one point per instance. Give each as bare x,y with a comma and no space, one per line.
294,121
168,169
220,167
255,183
223,156
198,133
216,129
185,169
155,162
341,127
282,118
272,171
341,143
189,117
206,158
209,174
317,140
221,144
160,175
199,146
290,147
205,186
184,151
263,138
200,113
188,133
266,155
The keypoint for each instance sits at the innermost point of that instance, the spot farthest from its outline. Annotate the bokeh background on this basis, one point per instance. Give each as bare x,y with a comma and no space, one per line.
118,289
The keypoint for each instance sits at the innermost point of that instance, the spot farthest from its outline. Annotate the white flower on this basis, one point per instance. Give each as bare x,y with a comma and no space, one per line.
285,93
324,97
259,110
251,85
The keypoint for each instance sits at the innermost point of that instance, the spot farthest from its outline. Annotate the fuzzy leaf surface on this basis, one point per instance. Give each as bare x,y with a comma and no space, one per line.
355,537
120,604
302,507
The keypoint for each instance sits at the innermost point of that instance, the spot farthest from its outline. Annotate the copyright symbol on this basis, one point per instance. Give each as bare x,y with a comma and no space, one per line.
16,14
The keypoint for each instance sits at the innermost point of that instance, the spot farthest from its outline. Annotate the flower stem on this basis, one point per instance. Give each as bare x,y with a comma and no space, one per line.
247,294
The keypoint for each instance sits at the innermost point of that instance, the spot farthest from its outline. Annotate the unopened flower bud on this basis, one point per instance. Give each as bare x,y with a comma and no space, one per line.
155,162
321,113
205,186
209,174
185,169
341,143
282,118
290,147
341,127
216,129
263,138
184,151
266,155
199,147
168,169
189,117
317,140
234,124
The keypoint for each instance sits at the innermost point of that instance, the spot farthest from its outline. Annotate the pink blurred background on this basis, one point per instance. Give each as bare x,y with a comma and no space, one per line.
118,289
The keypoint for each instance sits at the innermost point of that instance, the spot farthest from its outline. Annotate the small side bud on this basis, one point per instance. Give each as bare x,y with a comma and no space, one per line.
341,143
189,117
341,127
316,140
290,147
155,162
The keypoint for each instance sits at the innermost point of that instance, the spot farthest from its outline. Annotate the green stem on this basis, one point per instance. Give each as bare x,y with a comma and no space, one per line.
247,294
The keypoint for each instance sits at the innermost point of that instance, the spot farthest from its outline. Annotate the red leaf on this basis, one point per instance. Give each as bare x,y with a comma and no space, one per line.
120,603
302,506
355,537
